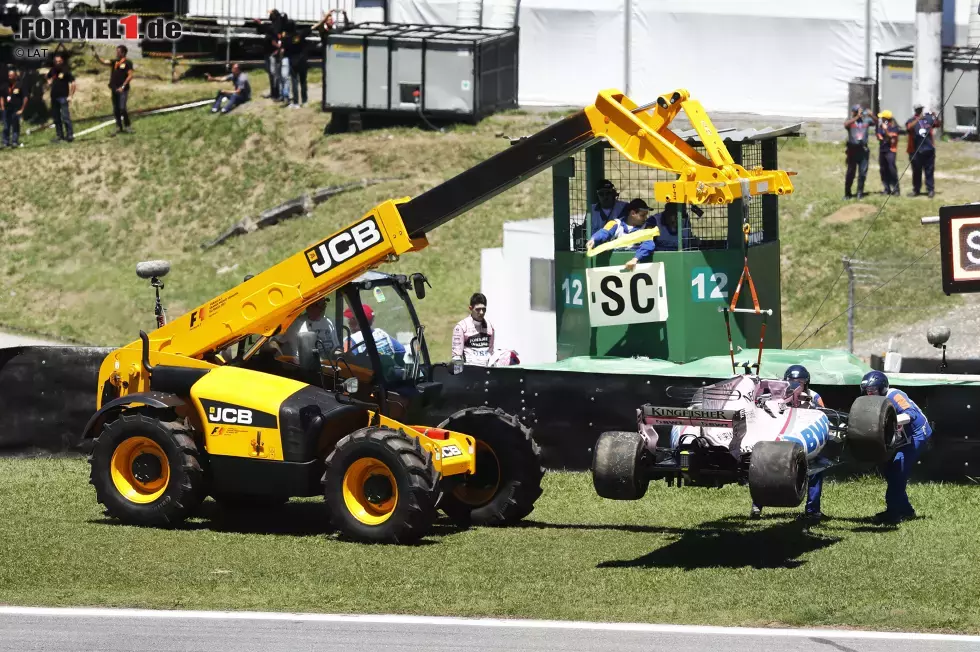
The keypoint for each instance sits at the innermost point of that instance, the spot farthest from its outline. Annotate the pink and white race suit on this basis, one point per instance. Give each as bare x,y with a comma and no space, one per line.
473,344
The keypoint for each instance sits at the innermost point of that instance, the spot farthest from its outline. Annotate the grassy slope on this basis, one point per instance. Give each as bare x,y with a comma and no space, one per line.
184,178
813,247
677,556
76,219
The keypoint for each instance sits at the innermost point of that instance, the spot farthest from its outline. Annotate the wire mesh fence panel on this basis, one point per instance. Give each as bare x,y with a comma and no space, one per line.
752,158
579,205
633,181
874,302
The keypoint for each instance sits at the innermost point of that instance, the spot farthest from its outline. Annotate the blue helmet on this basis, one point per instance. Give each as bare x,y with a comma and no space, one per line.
874,382
797,375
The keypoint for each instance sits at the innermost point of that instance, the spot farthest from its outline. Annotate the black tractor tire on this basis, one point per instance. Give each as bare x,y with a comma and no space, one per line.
871,426
380,487
616,472
508,475
245,502
158,479
777,474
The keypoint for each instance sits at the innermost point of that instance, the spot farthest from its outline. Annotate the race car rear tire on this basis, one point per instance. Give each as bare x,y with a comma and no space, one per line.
777,474
616,472
871,426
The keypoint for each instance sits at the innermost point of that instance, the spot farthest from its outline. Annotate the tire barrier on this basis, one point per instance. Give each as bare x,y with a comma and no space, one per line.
47,395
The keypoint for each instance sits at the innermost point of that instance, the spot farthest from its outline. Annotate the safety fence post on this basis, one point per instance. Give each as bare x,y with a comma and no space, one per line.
850,303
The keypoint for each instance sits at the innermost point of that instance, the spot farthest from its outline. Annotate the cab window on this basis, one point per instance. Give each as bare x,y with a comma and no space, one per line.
391,330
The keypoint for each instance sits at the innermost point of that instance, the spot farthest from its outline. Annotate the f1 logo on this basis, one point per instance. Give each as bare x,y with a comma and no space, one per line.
197,317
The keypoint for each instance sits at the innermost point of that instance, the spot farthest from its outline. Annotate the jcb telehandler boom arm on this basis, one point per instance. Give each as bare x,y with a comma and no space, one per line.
275,297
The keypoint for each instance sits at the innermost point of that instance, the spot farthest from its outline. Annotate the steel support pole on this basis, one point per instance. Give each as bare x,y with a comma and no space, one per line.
173,53
627,44
850,304
867,39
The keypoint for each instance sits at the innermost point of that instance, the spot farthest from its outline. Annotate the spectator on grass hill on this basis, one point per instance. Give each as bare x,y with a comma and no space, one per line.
62,84
271,48
119,79
297,49
858,153
922,149
12,104
284,74
241,93
888,135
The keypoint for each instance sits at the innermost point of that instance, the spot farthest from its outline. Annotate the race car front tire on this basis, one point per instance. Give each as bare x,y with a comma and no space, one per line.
777,474
616,472
871,426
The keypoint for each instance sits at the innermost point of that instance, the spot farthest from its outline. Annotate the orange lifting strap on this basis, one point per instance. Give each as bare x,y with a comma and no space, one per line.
746,275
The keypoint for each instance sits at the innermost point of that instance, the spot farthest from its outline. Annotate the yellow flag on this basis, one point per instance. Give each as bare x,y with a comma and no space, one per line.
627,240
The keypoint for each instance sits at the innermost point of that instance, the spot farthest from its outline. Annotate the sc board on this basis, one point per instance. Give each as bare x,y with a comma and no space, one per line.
959,239
618,297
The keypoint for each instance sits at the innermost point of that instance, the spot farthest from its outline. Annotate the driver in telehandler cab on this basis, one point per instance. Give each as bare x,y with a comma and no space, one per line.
798,376
313,321
387,345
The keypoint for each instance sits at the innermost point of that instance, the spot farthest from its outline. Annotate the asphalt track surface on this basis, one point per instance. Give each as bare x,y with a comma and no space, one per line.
107,630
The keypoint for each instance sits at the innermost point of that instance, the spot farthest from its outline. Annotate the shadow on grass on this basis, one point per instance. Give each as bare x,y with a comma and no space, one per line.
733,543
300,519
636,529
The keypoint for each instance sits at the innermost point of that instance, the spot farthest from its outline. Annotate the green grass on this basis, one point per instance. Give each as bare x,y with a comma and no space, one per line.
679,555
76,219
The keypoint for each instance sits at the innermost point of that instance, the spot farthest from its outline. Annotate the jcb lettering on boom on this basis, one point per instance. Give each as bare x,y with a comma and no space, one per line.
342,246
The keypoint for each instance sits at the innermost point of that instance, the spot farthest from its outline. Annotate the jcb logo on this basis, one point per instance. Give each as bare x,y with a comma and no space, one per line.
451,451
230,415
343,246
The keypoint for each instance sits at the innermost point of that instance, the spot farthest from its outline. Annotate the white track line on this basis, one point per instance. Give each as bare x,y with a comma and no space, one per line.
86,612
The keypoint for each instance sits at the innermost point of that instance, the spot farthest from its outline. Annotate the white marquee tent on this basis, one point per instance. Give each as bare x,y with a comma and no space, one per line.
772,57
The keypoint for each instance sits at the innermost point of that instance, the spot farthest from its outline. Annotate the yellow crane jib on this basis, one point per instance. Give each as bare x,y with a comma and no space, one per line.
642,135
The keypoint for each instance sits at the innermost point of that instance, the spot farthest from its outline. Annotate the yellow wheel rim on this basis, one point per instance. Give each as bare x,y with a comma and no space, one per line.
140,470
480,488
370,491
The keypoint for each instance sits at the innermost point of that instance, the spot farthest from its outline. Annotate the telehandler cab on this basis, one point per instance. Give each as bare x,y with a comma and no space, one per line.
201,406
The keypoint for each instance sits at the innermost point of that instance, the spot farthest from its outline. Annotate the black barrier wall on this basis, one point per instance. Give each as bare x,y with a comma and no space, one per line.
47,395
568,411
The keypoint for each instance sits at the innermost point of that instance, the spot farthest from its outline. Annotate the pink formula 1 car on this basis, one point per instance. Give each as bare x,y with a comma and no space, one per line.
746,430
